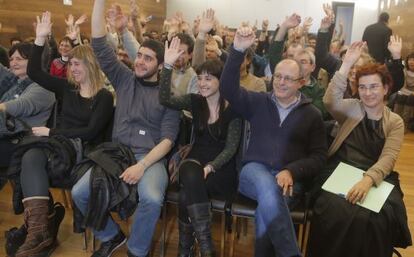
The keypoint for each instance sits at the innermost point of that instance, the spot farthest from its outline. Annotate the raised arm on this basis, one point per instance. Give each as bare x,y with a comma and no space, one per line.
98,19
333,98
172,53
116,72
395,65
240,99
206,24
34,66
277,45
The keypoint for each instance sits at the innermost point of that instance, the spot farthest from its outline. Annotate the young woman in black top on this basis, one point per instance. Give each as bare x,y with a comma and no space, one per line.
209,170
86,111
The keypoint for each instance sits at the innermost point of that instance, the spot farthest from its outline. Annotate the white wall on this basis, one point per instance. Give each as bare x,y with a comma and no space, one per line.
232,12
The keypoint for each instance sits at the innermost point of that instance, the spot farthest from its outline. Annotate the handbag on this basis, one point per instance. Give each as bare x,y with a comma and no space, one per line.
175,161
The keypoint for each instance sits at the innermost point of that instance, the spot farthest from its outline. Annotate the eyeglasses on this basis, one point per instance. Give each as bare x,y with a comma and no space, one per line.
374,87
278,77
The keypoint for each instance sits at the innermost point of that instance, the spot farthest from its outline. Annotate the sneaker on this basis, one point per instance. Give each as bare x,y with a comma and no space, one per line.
107,248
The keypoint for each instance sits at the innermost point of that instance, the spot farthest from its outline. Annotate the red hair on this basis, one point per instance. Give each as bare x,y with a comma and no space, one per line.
375,68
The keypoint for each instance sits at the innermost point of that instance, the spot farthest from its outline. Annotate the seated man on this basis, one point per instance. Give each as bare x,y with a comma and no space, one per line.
140,123
287,145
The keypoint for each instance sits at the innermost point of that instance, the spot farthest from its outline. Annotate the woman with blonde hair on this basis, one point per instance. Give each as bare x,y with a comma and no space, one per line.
86,111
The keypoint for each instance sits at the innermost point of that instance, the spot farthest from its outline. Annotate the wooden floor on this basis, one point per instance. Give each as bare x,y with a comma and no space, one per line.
71,244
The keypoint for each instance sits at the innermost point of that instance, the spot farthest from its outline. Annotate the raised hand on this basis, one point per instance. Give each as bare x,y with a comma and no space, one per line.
326,23
69,21
265,25
172,52
244,38
328,10
81,19
43,25
307,23
351,57
291,21
134,9
206,22
72,32
395,46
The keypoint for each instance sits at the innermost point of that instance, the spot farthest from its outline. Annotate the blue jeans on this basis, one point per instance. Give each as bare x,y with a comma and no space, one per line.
274,227
151,190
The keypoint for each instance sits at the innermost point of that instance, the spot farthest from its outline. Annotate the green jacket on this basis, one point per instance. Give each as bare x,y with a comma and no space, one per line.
316,92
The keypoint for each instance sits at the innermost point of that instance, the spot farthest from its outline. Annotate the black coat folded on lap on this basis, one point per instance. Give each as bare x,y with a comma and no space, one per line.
109,193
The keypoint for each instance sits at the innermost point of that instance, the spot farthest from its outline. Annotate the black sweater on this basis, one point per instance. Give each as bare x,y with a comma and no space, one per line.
84,118
298,144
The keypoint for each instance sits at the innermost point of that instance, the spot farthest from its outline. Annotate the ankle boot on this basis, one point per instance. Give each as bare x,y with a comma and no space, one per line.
36,218
200,217
185,239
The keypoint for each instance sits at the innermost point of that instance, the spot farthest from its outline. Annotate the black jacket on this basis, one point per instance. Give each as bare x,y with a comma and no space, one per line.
377,36
109,193
62,158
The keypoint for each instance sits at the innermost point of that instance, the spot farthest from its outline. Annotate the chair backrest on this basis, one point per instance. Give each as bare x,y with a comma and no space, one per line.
52,121
244,144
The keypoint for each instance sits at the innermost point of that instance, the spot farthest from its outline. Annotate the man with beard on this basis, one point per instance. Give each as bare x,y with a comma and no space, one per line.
144,125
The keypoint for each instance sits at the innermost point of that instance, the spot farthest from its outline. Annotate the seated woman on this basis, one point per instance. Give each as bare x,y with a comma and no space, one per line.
86,111
20,98
59,66
209,170
369,137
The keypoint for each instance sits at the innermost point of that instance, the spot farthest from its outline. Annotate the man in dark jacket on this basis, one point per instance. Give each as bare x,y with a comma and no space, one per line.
377,36
287,145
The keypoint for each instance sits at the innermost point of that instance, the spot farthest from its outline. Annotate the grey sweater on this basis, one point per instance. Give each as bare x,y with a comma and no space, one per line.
32,106
140,122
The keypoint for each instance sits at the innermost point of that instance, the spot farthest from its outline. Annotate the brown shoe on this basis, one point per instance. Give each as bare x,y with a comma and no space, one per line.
36,218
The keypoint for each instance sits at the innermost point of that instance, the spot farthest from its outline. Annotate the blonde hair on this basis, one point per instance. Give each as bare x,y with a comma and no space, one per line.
93,71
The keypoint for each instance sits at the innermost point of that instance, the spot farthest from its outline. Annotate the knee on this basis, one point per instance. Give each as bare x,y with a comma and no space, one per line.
190,171
151,197
33,156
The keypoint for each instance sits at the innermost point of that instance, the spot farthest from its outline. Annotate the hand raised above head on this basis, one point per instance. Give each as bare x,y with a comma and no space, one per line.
244,38
395,46
353,53
172,52
292,21
43,25
207,21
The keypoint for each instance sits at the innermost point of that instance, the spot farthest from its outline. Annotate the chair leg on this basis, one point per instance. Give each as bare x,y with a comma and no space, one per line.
65,199
232,238
223,234
163,230
306,238
85,240
93,243
300,236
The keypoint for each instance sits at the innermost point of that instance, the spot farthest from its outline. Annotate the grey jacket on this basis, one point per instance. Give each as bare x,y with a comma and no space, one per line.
140,122
32,106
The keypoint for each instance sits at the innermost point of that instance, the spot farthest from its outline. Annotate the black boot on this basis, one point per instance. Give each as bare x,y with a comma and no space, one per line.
185,239
200,217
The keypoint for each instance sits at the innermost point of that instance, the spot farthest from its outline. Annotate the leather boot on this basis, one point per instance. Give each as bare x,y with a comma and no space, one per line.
36,211
200,217
185,239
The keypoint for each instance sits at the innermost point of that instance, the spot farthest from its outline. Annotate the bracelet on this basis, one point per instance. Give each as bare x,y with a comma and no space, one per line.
168,66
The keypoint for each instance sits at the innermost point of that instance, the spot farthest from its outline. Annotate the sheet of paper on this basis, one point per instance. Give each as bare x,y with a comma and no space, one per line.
344,178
